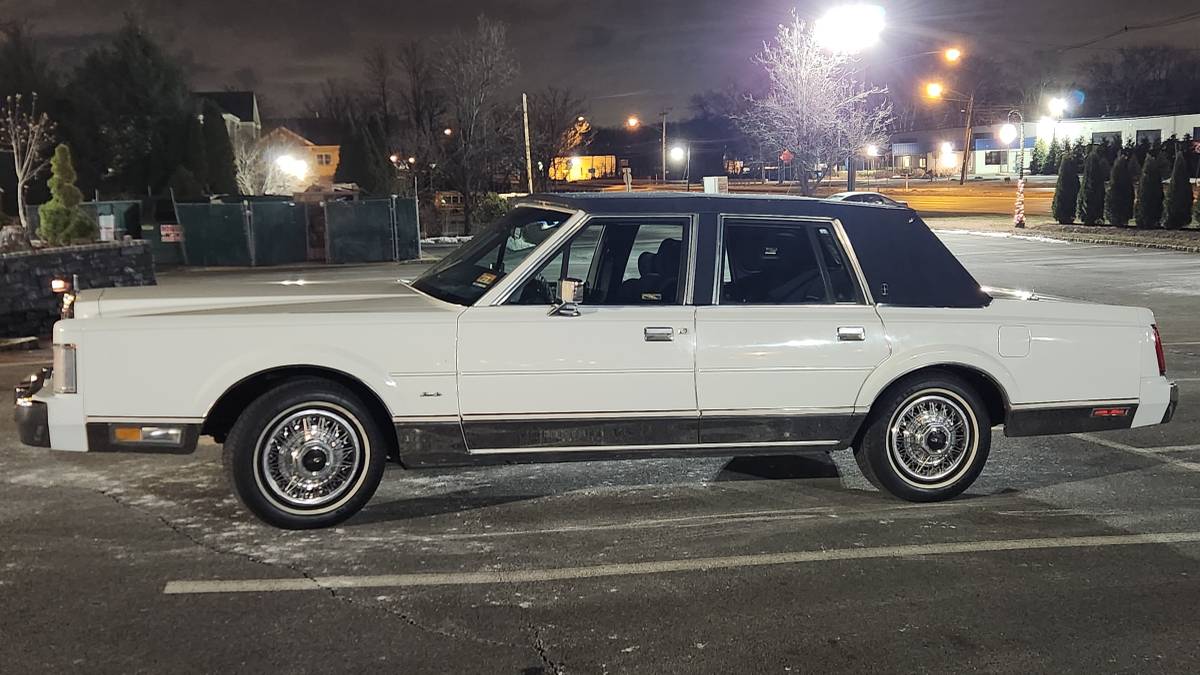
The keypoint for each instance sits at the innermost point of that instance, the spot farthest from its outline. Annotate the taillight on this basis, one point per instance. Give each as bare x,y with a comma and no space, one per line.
1158,350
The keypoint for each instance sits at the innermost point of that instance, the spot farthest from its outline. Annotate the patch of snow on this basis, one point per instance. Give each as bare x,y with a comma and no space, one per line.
446,240
1006,235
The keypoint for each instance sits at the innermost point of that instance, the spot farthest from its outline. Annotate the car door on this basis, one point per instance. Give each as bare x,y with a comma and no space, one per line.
789,340
618,375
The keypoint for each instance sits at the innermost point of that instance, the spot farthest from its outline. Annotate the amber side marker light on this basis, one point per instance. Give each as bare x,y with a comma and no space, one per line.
146,435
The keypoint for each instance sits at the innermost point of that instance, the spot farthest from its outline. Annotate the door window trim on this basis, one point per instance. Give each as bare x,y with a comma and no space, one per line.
517,278
839,233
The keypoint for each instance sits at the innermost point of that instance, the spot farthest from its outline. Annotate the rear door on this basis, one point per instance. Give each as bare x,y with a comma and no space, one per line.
789,340
619,375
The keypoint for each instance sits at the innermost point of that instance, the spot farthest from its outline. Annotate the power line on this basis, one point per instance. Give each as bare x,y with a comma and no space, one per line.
1182,18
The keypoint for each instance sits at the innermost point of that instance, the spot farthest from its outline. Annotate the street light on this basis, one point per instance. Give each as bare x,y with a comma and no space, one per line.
681,154
952,54
934,89
849,29
633,122
1008,133
1058,106
448,131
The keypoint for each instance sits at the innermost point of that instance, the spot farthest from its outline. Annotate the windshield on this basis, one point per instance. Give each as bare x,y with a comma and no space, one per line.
466,274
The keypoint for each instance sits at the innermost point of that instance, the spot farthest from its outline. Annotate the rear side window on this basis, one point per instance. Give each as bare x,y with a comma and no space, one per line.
783,264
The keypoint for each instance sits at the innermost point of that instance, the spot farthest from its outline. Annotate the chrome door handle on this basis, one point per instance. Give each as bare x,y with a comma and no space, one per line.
851,333
659,333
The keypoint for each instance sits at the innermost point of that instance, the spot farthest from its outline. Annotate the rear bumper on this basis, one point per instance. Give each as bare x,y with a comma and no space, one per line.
1156,405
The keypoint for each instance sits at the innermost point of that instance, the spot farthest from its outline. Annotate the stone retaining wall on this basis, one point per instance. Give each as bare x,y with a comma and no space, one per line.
28,307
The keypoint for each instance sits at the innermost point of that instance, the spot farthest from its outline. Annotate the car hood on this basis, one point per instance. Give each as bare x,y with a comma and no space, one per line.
259,297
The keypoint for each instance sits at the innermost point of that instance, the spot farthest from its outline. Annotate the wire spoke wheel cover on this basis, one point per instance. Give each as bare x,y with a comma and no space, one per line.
932,437
311,457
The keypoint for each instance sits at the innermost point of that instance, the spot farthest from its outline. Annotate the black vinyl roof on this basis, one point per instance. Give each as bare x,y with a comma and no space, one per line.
904,262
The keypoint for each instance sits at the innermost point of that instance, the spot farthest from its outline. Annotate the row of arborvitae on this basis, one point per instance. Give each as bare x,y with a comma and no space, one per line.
1124,191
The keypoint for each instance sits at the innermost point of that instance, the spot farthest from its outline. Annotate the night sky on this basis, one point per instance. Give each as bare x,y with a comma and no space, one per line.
625,56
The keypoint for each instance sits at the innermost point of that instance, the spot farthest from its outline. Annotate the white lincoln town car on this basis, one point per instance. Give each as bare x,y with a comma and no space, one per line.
602,326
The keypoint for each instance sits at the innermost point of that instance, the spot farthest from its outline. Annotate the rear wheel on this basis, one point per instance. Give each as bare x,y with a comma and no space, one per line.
926,439
306,454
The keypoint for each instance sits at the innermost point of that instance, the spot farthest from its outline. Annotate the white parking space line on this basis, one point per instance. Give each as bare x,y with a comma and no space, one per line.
666,566
1156,453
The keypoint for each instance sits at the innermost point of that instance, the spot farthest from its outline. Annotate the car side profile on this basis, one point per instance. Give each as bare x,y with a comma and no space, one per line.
602,326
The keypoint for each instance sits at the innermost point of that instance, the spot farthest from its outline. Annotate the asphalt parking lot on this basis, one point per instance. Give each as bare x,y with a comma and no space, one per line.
1070,554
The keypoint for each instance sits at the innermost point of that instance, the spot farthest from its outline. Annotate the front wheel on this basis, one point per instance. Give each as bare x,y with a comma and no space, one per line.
926,439
306,454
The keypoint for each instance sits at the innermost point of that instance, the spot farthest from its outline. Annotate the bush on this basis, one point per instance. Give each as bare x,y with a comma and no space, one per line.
1149,210
62,221
1178,204
1118,203
1091,195
490,208
1037,158
1066,192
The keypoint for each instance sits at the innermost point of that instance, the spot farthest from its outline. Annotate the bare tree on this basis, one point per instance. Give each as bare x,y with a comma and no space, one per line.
476,68
421,113
378,66
814,108
27,135
556,126
258,168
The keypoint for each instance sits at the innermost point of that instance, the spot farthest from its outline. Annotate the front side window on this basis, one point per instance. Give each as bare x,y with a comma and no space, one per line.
784,264
466,274
621,262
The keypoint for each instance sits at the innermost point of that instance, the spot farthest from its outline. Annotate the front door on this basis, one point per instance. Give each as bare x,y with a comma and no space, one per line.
782,355
619,375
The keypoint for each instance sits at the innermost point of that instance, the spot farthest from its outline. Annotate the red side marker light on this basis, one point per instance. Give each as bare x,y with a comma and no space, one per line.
1110,412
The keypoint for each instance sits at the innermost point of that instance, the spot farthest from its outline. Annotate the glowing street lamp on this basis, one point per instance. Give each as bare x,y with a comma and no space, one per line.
448,131
952,54
872,150
849,29
934,89
1008,133
1058,106
633,122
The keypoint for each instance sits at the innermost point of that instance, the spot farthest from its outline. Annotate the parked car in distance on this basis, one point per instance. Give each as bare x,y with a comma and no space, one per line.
865,198
601,326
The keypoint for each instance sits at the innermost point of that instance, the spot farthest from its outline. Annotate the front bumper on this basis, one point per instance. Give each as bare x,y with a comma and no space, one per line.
31,415
48,420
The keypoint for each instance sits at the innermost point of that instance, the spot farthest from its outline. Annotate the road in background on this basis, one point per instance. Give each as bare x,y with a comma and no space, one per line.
1070,554
943,197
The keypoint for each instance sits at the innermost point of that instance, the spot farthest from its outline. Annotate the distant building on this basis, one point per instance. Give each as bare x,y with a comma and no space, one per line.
240,110
317,142
939,151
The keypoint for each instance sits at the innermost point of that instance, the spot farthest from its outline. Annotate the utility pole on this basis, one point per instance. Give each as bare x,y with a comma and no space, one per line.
528,155
962,176
664,145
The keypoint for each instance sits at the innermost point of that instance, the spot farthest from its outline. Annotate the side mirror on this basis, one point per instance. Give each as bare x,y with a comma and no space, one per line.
570,292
